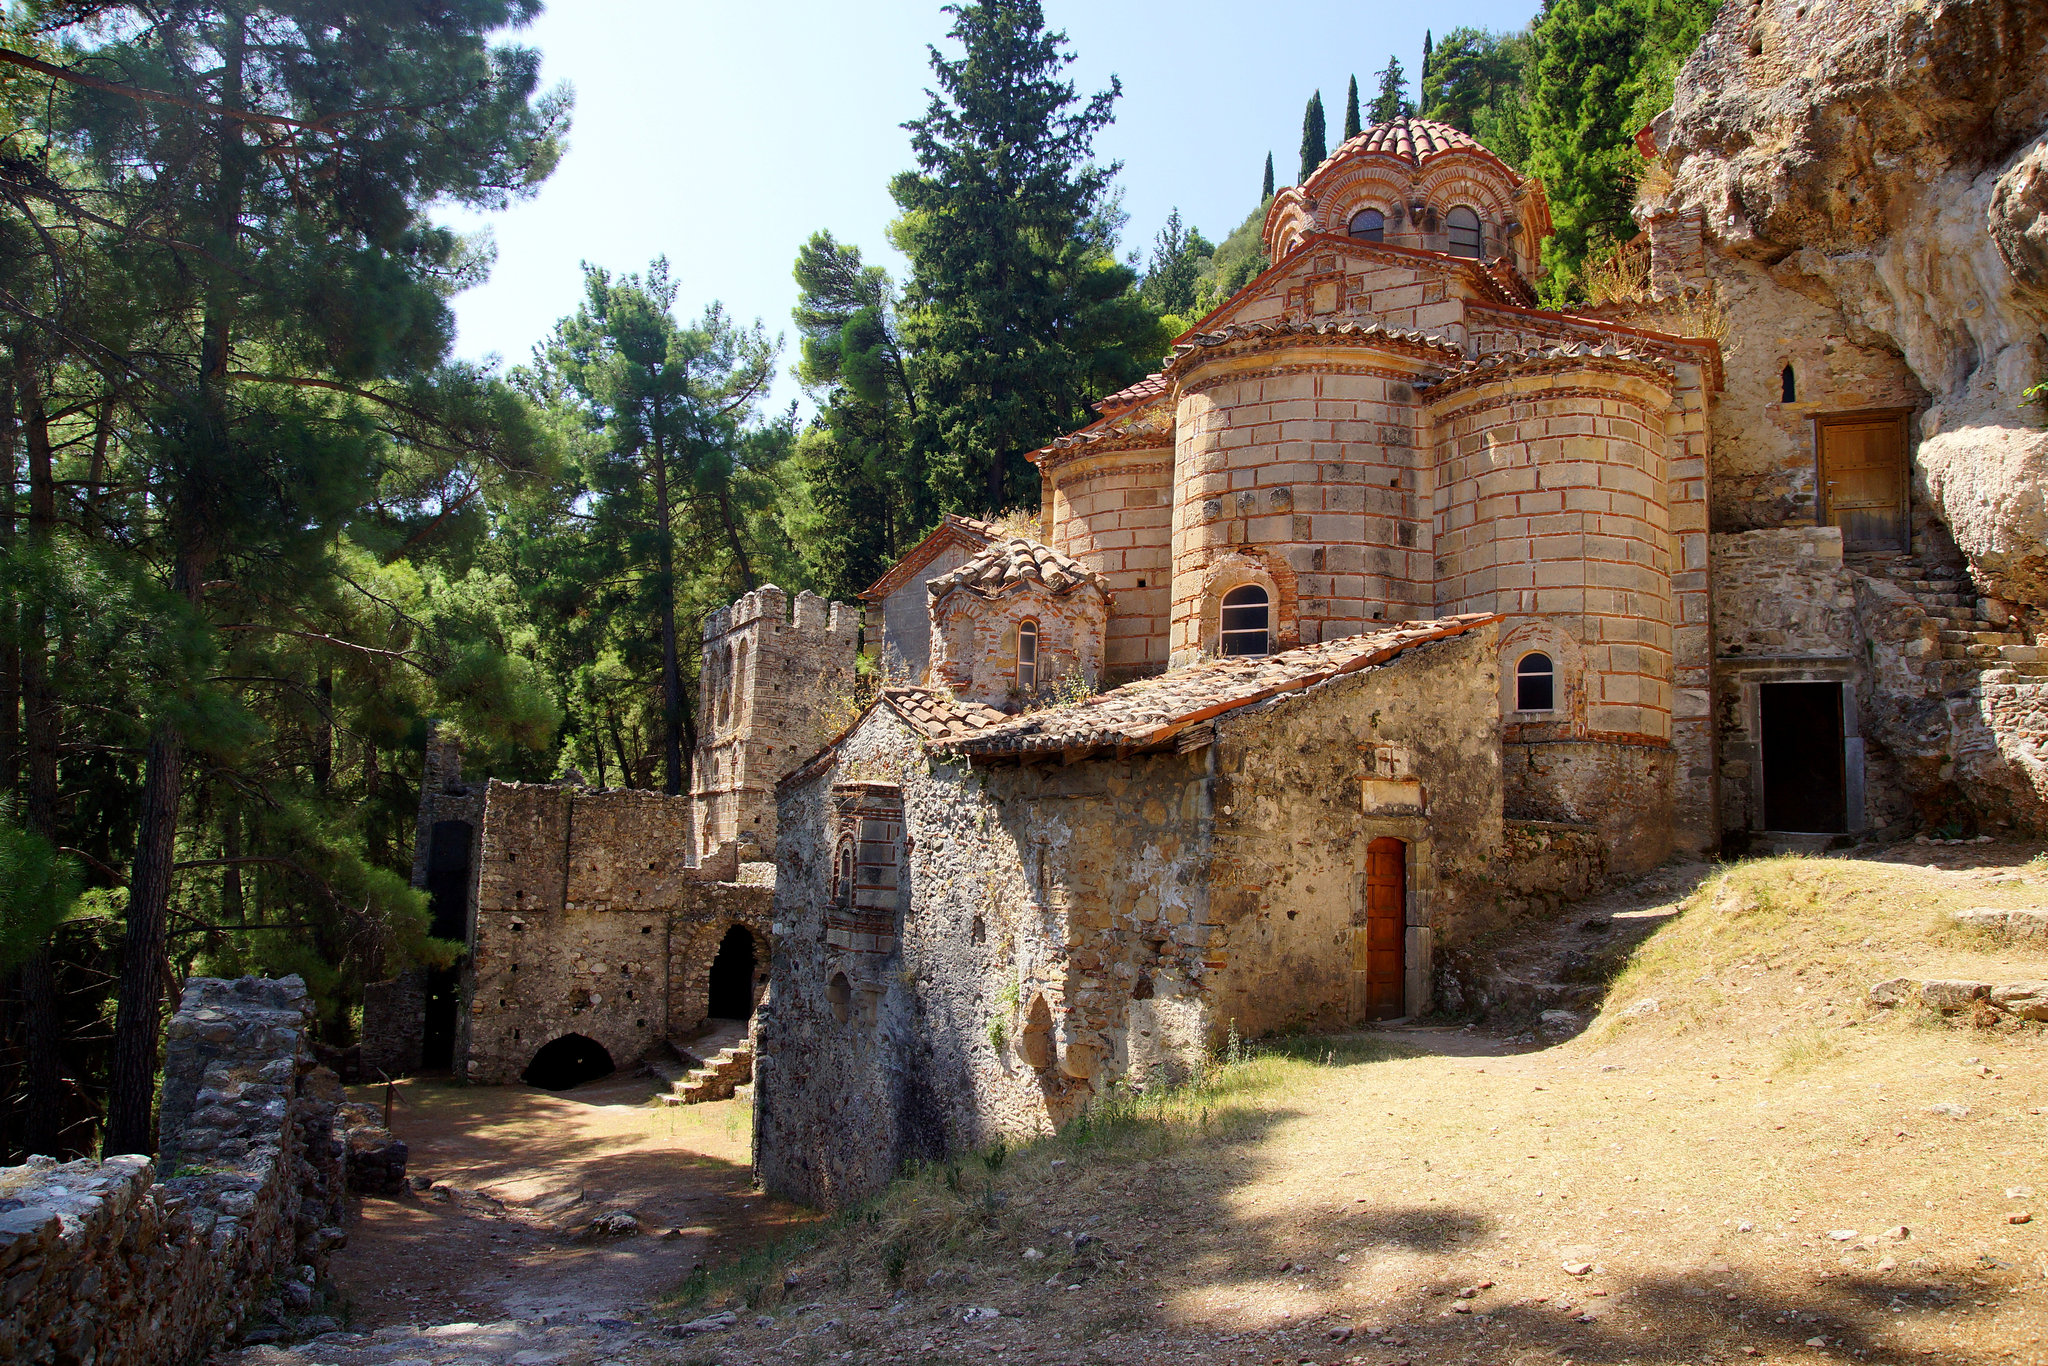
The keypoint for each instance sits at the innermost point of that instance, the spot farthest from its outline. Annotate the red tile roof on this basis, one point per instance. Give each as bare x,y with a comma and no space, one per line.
969,533
1152,386
1149,712
1413,140
1011,563
1276,330
1608,355
937,715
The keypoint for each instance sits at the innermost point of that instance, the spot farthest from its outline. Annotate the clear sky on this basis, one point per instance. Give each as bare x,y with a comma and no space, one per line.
723,134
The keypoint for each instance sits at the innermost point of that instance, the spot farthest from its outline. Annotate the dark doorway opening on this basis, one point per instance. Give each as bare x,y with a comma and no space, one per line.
732,977
448,903
1804,788
1386,929
569,1061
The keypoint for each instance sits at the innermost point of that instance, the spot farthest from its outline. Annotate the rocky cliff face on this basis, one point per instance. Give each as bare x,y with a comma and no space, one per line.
1886,163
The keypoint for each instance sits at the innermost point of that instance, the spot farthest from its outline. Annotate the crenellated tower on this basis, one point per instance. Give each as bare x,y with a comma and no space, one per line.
775,686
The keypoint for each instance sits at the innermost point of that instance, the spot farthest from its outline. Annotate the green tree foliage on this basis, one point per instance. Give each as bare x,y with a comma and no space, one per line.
1352,126
228,368
1315,144
1173,275
38,887
678,478
1266,183
866,496
1237,260
1472,78
1016,309
1391,100
1602,70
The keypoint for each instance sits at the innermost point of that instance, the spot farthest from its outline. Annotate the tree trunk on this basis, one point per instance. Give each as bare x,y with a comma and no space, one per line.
131,1092
10,654
671,663
42,1036
323,732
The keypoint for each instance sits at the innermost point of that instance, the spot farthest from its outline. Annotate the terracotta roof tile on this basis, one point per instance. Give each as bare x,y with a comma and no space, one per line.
1276,329
939,715
1151,711
952,530
1012,562
1544,358
1152,386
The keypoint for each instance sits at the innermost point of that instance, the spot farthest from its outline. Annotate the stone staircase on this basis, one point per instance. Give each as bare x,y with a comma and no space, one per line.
714,1067
1974,649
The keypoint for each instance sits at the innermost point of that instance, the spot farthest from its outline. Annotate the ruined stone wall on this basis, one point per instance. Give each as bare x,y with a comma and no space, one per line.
1114,513
1061,926
1302,474
1298,796
591,921
770,692
116,1263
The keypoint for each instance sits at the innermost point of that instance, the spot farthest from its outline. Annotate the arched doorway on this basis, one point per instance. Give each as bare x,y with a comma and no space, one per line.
569,1061
1386,928
732,977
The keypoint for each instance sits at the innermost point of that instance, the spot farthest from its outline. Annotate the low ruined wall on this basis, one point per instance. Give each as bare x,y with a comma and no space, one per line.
113,1262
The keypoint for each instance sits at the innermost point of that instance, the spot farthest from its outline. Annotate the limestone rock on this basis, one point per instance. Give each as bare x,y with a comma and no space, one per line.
1893,991
1950,996
1888,164
2028,1000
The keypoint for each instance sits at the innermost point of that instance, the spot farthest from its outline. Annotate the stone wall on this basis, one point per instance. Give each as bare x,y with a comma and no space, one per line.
1114,513
975,646
772,685
116,1263
591,921
1062,927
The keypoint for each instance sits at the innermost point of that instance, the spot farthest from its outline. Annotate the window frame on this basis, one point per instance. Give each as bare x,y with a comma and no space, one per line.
1226,632
1378,233
1452,229
1549,676
1027,670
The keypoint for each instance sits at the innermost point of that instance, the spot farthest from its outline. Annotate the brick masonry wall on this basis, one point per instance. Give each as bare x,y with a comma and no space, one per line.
1304,468
975,645
114,1264
1114,513
1063,925
589,921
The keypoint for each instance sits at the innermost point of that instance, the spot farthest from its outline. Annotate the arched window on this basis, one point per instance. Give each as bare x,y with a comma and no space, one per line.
1462,225
839,994
842,875
1535,683
1369,225
1027,656
1788,386
1246,621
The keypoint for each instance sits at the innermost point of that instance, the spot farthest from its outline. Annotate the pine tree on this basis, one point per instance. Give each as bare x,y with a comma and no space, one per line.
866,495
672,405
288,331
1016,308
1266,185
1352,127
1315,148
1392,100
1172,276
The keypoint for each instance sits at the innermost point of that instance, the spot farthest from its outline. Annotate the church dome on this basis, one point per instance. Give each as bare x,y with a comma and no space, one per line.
1415,183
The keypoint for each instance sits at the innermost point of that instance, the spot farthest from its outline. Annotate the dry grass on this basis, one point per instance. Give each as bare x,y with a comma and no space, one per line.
1702,1156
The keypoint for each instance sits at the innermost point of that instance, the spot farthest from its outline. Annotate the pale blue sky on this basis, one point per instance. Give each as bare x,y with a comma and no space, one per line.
723,135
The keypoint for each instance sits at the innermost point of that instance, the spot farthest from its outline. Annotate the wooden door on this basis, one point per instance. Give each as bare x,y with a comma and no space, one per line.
1863,479
1386,928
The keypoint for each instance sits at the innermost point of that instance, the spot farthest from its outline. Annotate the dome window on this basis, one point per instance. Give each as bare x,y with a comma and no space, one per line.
1462,227
1536,683
1369,225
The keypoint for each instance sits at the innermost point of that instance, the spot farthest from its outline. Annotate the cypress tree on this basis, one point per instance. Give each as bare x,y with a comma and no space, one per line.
1392,100
1315,148
1016,309
1352,127
1428,65
1266,188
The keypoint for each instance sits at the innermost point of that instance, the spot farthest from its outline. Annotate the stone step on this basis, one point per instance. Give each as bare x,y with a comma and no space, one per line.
2024,654
1980,652
1982,638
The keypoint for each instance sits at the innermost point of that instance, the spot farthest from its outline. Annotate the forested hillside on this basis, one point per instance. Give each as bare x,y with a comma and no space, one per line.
260,526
